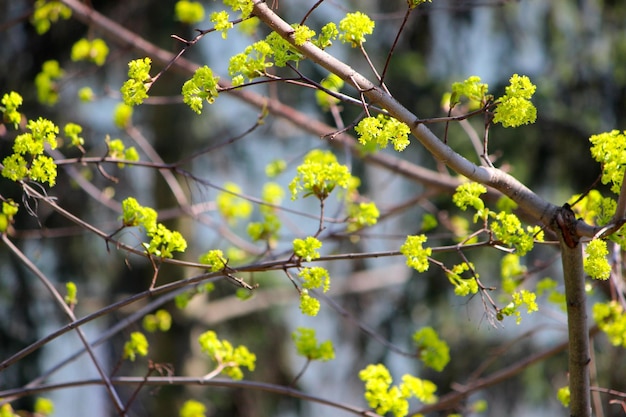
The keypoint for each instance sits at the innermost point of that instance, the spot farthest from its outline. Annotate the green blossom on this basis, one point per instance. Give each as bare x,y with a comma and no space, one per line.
302,34
46,82
135,89
508,229
95,51
327,35
307,248
43,169
520,298
384,398
72,132
462,286
468,195
221,22
43,406
165,241
9,210
282,50
515,108
10,103
275,168
215,259
245,6
315,277
416,255
251,63
189,12
47,12
86,94
354,27
309,305
609,149
202,86
433,351
122,115
472,89
15,167
231,206
117,150
563,395
192,408
134,214
308,346
362,215
512,272
330,83
71,297
319,174
137,345
268,228
595,263
224,354
161,320
381,130
611,319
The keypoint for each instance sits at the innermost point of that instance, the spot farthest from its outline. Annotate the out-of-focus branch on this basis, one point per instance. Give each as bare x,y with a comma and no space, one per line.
122,36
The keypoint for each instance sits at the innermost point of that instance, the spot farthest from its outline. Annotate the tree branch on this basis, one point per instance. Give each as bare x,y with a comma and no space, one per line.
538,208
575,296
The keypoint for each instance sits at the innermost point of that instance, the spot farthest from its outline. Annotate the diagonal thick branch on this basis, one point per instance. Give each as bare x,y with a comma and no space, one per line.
541,210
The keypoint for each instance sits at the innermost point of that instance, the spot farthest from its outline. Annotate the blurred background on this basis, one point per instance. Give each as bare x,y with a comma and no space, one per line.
574,51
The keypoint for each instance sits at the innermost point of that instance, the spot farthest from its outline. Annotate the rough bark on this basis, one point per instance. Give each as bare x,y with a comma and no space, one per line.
578,332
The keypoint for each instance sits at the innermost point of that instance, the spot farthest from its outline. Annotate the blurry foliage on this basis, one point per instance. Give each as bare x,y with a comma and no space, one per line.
581,90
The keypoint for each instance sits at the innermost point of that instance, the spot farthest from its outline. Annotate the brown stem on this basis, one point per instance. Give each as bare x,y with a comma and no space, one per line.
575,296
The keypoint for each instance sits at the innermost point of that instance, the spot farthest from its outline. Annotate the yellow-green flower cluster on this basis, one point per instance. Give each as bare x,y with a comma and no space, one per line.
192,408
520,298
46,82
381,130
9,210
222,352
189,12
161,320
135,89
595,263
472,89
354,27
611,319
214,259
10,103
28,159
118,150
308,346
221,22
319,174
268,228
47,12
433,351
163,242
231,206
95,51
362,215
462,286
331,83
202,86
306,249
137,345
609,149
415,253
515,108
385,398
